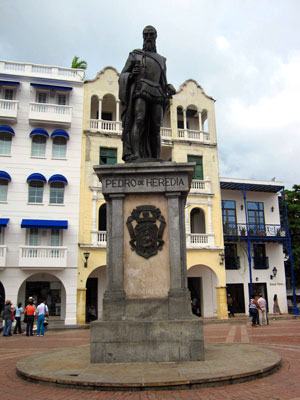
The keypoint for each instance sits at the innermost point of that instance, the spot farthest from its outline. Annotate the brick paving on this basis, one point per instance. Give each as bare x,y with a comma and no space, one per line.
282,336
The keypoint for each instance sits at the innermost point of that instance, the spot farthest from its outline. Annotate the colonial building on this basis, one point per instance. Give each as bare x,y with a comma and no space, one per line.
40,150
254,235
188,134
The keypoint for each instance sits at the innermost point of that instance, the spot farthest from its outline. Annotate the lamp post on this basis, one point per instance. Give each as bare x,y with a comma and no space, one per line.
86,255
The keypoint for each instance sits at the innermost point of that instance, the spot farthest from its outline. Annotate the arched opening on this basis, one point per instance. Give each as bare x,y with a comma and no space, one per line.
94,107
108,108
180,122
202,283
204,119
2,297
95,288
102,218
166,123
197,220
192,118
45,286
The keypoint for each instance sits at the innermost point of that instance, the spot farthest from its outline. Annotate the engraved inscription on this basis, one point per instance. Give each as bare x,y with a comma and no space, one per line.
154,182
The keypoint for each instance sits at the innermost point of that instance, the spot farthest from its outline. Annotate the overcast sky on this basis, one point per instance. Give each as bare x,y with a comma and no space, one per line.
244,53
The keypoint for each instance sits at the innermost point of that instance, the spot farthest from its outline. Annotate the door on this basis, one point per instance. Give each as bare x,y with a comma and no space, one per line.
195,287
236,290
91,295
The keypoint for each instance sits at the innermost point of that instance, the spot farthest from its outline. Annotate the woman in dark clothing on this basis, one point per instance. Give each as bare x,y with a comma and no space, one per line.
253,310
7,318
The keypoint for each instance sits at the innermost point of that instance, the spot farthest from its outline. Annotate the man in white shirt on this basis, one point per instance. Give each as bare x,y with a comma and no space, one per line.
262,312
41,312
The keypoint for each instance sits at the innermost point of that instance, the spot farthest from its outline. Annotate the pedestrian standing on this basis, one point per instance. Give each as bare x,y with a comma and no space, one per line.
41,312
230,305
276,309
18,314
30,313
262,311
253,310
7,318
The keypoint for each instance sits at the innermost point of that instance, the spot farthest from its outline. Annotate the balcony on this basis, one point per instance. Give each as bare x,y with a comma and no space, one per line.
193,135
3,251
99,238
101,125
260,262
33,70
9,110
43,257
261,231
199,187
232,262
200,240
50,113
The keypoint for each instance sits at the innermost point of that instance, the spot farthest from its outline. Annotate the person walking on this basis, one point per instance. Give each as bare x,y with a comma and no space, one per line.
276,309
30,313
230,305
41,312
253,310
262,311
19,312
7,318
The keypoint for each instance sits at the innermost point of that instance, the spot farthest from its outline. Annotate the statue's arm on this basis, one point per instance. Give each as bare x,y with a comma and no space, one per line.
169,88
132,67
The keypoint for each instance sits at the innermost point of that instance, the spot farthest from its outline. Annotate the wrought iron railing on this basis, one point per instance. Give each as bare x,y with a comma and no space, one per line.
261,262
232,262
242,229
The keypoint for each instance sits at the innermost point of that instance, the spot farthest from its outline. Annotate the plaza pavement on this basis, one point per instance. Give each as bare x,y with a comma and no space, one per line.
281,336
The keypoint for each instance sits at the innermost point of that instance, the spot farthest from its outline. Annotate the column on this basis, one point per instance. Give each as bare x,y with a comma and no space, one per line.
200,121
184,122
100,110
118,127
94,218
210,224
81,305
222,302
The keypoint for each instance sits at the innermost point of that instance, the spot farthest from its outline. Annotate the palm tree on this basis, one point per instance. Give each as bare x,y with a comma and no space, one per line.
76,63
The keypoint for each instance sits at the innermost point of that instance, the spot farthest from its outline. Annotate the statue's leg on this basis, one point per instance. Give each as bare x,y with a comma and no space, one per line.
138,126
156,121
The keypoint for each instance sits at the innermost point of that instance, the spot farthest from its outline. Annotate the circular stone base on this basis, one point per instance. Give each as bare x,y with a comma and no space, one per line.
224,364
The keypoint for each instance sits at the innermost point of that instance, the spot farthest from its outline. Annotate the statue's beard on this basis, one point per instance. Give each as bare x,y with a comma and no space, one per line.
149,45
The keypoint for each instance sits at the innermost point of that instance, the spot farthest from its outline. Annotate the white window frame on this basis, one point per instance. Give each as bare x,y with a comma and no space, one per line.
35,195
59,147
54,193
39,148
3,190
5,145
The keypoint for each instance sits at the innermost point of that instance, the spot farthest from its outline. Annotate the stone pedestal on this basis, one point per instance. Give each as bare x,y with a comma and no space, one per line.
146,307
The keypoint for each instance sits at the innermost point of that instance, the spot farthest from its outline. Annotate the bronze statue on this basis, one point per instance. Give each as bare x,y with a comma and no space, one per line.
145,95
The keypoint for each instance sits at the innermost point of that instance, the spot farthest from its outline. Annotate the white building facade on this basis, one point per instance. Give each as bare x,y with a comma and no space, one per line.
40,150
254,236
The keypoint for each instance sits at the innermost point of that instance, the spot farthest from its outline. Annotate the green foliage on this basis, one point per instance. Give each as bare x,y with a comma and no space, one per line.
293,209
77,63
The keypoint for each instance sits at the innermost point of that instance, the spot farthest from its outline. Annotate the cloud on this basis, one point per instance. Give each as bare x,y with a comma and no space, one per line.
222,43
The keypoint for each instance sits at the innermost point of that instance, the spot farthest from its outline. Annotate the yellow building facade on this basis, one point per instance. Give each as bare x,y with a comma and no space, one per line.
188,133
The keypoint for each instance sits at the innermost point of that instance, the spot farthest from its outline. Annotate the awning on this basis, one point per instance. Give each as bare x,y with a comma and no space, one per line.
49,87
44,224
39,131
36,177
3,222
9,83
250,187
60,132
58,178
6,128
5,175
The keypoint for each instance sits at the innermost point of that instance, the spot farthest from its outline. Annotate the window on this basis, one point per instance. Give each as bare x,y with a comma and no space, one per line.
35,192
57,191
107,116
59,147
8,94
229,217
108,156
232,261
5,143
1,235
256,217
62,99
42,97
199,166
260,259
38,146
102,218
3,189
197,221
55,237
33,237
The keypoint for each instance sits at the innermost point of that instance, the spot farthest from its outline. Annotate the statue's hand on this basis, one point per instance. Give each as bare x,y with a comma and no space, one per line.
170,90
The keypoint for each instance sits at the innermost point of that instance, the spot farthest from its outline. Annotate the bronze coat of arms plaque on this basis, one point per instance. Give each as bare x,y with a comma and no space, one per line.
146,235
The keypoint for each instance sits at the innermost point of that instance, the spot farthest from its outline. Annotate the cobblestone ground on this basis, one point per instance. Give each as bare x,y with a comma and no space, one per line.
281,336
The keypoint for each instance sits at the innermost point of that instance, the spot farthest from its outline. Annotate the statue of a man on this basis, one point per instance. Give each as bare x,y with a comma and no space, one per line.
145,95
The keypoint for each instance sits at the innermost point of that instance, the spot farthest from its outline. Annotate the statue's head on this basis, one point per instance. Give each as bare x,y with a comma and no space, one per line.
149,35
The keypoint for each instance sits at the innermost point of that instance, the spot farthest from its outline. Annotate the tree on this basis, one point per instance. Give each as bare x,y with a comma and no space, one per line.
293,210
76,63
